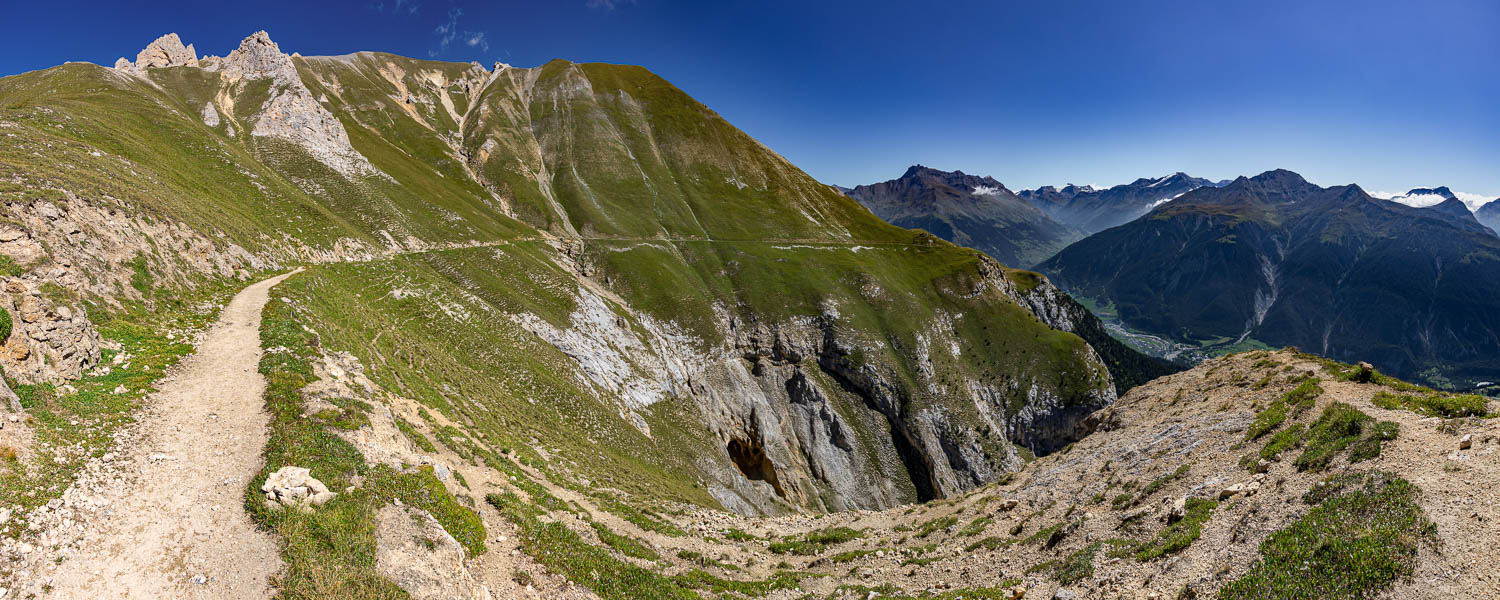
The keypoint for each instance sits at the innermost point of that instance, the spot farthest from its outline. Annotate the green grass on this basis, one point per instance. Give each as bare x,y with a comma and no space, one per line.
975,527
1295,402
739,535
1178,536
626,545
1284,440
1435,404
329,552
1001,591
1077,566
562,551
701,580
1127,500
1339,427
932,526
989,543
416,437
814,542
1361,536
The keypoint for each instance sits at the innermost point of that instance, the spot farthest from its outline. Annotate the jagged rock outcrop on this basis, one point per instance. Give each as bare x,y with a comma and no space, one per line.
165,51
291,113
51,338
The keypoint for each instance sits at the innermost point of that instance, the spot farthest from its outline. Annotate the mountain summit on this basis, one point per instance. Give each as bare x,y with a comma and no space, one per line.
973,211
1092,210
1276,259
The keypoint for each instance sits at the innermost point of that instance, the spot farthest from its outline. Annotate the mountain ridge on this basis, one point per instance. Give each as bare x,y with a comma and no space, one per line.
1267,257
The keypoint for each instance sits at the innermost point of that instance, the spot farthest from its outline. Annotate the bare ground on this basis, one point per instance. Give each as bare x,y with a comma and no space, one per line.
164,516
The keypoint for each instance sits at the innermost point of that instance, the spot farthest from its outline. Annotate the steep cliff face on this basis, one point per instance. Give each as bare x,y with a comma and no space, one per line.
576,259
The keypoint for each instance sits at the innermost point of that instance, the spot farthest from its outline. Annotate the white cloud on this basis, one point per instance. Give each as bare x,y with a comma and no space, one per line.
449,32
985,190
474,40
1473,201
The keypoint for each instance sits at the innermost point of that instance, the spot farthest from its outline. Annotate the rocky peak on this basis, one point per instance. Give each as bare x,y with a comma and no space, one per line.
165,51
1441,190
260,58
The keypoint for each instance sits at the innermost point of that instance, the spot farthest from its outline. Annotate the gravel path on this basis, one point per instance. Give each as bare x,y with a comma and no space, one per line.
177,526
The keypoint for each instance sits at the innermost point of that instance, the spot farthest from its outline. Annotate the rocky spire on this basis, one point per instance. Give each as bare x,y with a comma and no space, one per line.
165,51
260,58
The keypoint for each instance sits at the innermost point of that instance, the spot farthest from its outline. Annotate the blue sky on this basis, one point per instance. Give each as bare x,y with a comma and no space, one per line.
1390,95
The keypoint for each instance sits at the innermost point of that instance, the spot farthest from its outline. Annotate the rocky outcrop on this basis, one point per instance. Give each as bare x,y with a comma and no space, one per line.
295,487
291,113
210,115
260,58
51,338
413,550
165,51
84,245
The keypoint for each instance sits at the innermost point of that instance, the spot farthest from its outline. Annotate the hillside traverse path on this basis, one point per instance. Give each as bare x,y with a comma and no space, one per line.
176,525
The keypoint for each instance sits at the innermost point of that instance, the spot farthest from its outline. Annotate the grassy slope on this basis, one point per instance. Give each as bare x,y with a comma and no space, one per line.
628,158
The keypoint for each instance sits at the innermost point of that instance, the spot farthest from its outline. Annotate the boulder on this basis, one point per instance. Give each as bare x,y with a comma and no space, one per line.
295,487
1177,510
1246,488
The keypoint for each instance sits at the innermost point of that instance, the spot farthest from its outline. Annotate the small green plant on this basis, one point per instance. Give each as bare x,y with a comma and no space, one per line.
1361,536
416,437
1178,536
1339,427
9,267
1284,440
975,527
933,526
1435,404
623,544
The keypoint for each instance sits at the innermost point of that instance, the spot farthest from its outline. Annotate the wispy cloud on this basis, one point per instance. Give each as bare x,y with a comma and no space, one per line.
401,8
449,32
607,4
476,40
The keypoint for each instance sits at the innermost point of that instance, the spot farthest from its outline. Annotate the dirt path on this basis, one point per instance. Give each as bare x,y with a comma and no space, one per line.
176,525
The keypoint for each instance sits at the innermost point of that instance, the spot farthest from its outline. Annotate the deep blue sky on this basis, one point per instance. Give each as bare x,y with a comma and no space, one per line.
1390,95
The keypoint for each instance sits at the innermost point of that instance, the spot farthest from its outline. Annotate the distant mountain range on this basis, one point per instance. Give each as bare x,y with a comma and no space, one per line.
1093,210
973,211
1273,258
1016,228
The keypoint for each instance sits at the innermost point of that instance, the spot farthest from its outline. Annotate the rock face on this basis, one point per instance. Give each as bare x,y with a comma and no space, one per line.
295,487
260,58
210,115
166,51
413,550
291,113
51,338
